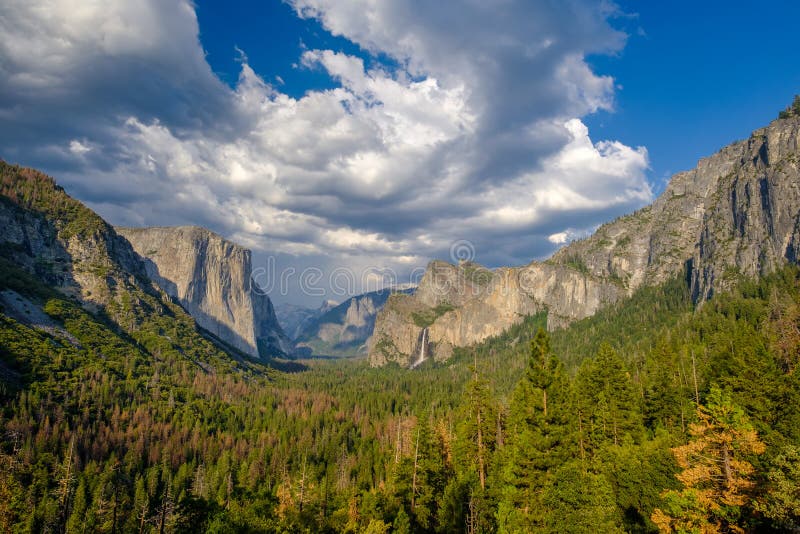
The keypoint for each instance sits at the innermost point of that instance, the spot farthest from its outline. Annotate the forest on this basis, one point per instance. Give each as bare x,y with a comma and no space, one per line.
653,415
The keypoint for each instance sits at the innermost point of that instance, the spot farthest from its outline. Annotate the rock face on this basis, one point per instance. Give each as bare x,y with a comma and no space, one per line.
344,330
294,319
737,212
211,278
65,244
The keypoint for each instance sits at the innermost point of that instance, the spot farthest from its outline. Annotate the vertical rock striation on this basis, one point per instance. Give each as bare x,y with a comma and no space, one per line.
211,278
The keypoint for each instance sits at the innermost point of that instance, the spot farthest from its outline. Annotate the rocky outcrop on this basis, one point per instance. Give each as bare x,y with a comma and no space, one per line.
345,330
736,213
53,246
211,278
66,245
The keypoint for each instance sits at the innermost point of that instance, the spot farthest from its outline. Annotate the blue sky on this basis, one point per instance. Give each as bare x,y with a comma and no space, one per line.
335,136
694,76
703,75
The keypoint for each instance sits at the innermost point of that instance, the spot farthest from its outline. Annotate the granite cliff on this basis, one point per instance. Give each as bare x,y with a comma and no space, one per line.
57,255
736,213
66,245
211,278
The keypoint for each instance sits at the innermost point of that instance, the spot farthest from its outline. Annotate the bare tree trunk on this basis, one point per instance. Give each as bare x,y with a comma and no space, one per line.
143,517
398,443
471,522
65,485
726,466
683,419
166,507
544,402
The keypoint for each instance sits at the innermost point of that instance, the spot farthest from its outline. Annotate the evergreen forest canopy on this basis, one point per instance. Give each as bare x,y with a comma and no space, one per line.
651,415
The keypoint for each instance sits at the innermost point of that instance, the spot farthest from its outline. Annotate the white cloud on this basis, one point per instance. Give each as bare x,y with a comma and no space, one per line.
78,148
559,238
569,235
476,135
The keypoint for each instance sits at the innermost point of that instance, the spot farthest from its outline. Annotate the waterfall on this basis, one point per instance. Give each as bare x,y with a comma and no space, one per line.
423,348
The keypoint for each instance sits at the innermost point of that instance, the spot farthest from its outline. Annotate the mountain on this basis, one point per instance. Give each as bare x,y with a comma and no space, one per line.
120,414
65,272
211,277
344,330
293,318
736,213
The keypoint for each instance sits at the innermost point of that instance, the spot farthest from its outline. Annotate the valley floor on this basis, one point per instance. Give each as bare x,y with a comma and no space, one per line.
649,415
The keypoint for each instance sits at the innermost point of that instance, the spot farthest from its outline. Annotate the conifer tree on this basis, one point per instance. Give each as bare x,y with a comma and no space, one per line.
77,518
607,402
420,479
10,493
666,395
781,503
478,429
717,476
66,481
577,501
402,523
538,430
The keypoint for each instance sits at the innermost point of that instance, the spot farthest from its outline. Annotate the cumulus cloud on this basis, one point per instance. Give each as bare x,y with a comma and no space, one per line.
472,131
78,148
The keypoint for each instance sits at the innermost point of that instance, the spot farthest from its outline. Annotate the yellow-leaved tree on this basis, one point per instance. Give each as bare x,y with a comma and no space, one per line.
716,475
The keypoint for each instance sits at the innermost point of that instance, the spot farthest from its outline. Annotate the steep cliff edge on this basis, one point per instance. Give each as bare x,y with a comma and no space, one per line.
737,212
57,256
65,244
211,278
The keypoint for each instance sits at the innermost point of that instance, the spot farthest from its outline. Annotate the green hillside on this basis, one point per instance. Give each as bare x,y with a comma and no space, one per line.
123,417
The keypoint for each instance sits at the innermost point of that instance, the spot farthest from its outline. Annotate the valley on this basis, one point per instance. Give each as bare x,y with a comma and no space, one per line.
642,379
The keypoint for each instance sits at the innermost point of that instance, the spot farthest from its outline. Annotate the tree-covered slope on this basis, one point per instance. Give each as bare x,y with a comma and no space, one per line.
117,415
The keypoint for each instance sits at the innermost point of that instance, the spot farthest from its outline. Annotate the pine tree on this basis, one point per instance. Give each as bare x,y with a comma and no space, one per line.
402,523
478,429
607,402
377,526
141,507
577,501
420,479
716,474
66,481
781,502
77,519
10,493
538,437
666,395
